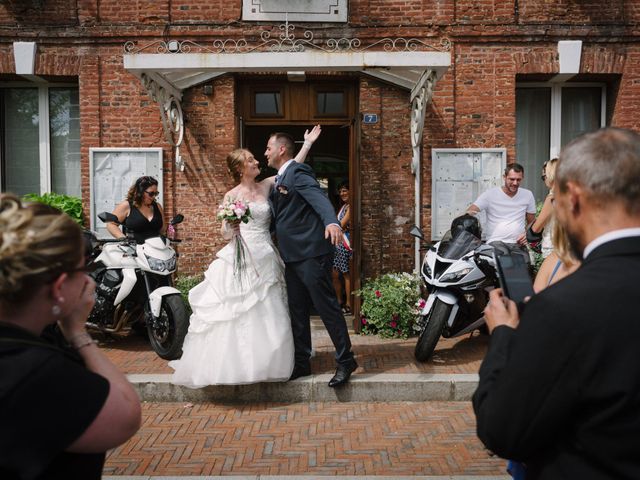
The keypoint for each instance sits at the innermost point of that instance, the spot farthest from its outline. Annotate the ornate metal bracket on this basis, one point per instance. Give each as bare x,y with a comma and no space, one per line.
170,113
420,98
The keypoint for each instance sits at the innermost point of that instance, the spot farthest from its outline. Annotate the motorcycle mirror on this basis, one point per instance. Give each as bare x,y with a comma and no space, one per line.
177,219
107,217
416,232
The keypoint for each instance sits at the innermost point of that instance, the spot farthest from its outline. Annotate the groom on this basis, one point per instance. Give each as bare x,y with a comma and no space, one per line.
307,231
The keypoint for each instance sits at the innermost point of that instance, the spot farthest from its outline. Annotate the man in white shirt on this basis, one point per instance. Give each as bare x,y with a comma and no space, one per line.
509,209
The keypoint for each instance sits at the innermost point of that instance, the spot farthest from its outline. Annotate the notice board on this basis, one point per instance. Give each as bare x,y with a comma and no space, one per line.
458,177
113,171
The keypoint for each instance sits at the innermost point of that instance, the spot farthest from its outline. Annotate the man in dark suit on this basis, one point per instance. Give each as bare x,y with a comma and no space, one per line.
560,388
307,231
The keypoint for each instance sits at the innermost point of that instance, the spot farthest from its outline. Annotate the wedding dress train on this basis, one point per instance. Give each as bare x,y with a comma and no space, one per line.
240,331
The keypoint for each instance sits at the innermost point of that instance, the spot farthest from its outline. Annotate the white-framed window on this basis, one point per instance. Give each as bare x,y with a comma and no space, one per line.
548,116
40,138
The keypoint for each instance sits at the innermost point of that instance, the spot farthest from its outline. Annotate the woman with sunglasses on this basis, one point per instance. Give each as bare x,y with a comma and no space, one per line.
139,214
63,404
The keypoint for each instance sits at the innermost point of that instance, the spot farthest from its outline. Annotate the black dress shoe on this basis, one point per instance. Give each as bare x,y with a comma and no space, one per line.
300,371
343,372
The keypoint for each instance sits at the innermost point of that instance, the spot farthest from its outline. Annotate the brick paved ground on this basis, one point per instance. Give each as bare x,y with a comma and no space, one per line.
430,438
132,354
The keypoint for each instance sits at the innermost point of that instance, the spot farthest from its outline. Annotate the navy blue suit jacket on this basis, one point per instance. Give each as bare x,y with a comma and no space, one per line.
301,211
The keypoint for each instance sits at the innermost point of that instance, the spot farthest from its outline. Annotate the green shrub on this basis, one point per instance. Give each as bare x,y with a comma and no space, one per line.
390,305
185,283
72,206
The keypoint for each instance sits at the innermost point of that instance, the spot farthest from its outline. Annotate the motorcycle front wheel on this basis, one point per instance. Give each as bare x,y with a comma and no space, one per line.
430,335
167,332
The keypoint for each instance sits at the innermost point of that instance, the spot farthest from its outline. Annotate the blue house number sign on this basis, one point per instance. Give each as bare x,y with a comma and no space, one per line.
369,118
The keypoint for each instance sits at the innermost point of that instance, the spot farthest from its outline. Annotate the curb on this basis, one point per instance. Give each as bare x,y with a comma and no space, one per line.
382,387
315,477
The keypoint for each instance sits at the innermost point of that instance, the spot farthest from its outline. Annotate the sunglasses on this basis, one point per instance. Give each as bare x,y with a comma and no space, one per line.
152,194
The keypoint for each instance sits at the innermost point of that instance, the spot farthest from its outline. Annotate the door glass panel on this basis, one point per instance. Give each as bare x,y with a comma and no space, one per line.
268,103
64,133
580,111
330,103
21,140
533,127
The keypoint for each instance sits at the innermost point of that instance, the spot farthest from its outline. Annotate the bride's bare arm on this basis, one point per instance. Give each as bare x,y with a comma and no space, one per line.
309,138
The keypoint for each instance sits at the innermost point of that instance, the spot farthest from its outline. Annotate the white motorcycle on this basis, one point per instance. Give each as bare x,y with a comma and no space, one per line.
458,271
134,288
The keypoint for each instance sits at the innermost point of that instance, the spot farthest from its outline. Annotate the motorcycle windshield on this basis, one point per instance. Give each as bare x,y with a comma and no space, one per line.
462,242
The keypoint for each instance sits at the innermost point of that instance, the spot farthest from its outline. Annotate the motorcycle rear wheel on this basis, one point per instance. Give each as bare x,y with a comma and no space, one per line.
167,332
429,337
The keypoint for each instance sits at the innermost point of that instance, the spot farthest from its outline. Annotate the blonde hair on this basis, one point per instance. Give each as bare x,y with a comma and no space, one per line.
37,244
550,170
235,163
561,246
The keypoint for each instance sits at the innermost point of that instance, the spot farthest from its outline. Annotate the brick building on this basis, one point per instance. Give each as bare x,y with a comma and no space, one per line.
523,75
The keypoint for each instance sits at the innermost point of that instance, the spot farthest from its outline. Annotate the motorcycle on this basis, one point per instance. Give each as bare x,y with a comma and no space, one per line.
458,271
134,288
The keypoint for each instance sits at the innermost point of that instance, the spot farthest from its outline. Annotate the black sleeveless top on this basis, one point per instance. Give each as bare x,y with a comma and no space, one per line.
138,224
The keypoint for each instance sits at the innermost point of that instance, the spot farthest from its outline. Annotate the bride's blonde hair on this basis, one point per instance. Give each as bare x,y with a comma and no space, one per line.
37,244
235,163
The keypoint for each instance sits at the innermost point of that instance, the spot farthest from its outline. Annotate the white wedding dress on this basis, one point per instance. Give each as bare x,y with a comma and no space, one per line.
239,332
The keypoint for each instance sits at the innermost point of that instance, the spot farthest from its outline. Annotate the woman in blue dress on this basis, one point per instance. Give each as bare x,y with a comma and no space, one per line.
343,253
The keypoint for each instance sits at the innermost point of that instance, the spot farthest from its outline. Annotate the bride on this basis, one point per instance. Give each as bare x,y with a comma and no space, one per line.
240,332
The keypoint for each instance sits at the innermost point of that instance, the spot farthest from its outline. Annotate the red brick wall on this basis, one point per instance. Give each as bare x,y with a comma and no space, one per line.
473,105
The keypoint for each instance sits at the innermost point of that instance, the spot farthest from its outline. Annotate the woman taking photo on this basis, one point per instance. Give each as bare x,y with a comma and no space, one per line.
63,404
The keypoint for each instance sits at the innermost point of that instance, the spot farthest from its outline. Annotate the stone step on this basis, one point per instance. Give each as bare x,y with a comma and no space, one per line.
382,387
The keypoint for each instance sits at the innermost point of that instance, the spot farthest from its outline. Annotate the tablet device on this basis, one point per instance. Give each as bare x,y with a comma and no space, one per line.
514,278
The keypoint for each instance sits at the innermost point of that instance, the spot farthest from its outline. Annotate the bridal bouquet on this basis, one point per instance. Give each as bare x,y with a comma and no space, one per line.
233,210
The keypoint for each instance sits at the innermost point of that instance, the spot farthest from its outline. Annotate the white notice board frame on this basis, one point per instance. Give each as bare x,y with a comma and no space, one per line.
112,171
458,177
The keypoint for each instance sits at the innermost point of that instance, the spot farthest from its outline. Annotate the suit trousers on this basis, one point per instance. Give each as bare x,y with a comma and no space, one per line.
309,282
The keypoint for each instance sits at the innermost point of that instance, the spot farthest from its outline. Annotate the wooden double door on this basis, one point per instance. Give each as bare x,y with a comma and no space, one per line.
274,105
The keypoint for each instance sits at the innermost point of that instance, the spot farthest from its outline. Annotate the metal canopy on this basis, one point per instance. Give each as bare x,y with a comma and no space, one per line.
184,70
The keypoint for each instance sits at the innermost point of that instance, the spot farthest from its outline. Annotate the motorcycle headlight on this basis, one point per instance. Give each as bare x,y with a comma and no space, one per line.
426,270
455,276
156,264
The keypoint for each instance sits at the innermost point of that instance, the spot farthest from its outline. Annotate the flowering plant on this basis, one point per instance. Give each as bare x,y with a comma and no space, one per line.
391,305
233,210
